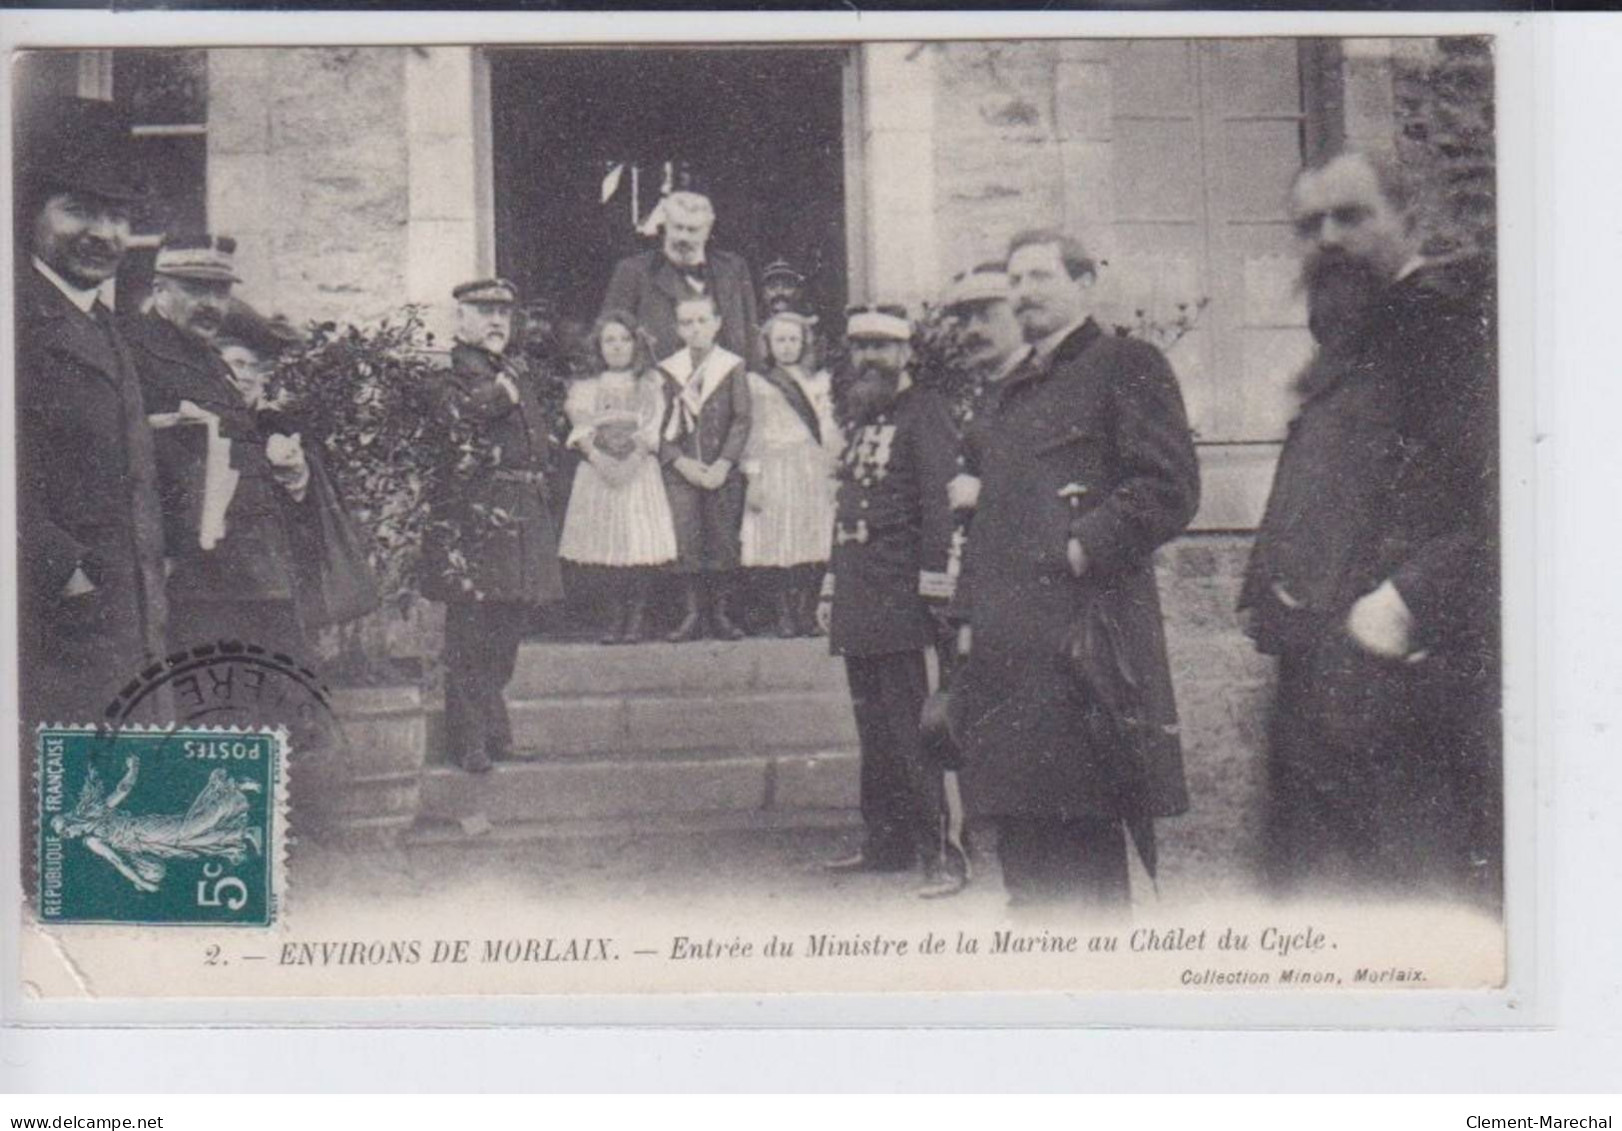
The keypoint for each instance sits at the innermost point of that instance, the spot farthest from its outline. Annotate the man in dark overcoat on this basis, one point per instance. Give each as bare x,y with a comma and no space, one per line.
235,579
706,426
490,578
650,284
884,595
1086,467
89,530
1374,578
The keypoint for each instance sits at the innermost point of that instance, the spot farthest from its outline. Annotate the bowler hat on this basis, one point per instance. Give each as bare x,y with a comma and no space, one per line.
78,145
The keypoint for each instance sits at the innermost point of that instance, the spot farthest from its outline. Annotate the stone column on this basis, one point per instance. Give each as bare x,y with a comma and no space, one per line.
901,256
356,179
449,207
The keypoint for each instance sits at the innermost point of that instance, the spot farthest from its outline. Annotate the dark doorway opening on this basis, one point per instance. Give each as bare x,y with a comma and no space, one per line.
763,128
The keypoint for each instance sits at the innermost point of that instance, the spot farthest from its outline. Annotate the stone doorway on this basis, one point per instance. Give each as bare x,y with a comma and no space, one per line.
580,142
765,129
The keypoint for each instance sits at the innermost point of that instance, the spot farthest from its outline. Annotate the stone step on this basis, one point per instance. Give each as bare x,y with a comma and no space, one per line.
432,833
549,670
629,724
533,792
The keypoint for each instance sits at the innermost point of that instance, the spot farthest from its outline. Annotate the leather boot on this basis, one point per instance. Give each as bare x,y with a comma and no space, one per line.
720,615
788,595
636,608
692,621
810,592
614,590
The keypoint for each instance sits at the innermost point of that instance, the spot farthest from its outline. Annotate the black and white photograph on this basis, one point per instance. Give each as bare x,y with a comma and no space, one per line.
848,516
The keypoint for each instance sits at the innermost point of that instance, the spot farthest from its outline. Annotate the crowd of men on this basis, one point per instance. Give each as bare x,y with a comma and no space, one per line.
1023,548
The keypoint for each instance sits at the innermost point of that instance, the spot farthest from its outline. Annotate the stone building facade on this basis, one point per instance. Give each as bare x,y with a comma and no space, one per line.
361,179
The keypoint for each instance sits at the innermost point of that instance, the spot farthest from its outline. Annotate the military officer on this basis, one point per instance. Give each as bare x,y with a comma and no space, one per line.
886,579
782,288
231,515
508,571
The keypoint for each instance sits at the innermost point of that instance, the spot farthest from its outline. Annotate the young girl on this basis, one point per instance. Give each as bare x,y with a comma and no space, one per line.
790,459
618,514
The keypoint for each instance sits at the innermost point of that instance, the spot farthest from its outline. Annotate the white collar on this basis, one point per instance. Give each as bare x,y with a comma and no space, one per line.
78,296
716,364
1010,363
1409,268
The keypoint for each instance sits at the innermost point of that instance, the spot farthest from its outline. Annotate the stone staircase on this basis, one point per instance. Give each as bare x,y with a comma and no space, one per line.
753,733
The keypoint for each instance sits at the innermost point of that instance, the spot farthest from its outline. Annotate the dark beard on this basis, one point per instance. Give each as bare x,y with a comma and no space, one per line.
1341,294
871,392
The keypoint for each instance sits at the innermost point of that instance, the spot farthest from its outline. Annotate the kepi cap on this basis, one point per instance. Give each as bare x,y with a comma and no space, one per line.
973,287
883,321
486,290
781,269
211,258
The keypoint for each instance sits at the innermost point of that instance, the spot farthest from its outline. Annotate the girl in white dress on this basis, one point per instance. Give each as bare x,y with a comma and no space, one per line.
790,460
619,516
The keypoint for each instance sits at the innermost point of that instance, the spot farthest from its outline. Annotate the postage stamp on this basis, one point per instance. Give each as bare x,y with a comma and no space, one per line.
161,827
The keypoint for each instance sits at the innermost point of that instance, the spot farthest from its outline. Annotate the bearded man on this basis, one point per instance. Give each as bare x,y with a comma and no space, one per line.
491,580
651,284
1374,577
887,585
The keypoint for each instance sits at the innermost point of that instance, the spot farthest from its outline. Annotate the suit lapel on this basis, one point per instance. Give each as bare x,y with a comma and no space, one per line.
63,327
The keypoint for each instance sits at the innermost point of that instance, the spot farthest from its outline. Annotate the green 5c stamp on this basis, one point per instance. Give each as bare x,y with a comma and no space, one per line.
160,827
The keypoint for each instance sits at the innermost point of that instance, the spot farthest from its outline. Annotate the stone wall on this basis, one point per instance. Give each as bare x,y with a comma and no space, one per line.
352,177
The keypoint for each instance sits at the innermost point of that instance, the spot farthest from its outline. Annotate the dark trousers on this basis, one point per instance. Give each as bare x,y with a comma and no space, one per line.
707,523
1049,860
271,624
481,650
1407,802
900,793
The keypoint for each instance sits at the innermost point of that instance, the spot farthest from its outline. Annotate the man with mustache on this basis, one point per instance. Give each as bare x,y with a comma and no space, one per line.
90,533
229,512
887,585
1374,578
993,345
1063,707
505,574
650,284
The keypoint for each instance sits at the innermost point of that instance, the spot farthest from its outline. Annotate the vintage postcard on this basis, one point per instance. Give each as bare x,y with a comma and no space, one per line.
936,517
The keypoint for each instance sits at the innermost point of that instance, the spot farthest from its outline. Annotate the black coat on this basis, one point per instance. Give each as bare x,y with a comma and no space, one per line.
892,539
255,560
1389,472
519,563
648,287
87,498
1105,414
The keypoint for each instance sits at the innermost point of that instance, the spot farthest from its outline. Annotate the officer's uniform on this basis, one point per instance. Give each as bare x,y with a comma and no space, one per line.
508,571
889,566
242,582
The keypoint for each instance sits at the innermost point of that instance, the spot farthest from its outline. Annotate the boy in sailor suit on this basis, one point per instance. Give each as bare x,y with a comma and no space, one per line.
705,430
